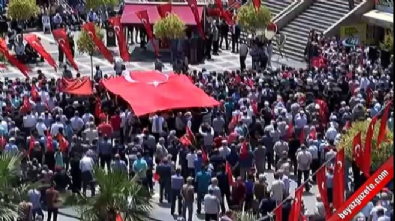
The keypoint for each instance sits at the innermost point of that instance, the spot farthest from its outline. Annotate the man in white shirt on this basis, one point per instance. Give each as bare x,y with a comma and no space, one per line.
55,126
77,123
157,124
191,157
277,189
29,121
40,126
243,52
86,167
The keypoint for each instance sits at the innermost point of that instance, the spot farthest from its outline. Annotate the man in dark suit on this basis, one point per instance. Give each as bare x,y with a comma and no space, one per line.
224,29
235,38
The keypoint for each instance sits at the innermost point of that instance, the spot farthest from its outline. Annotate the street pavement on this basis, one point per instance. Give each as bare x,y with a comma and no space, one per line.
140,60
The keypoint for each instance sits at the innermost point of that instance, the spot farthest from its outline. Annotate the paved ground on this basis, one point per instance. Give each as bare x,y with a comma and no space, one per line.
140,61
144,61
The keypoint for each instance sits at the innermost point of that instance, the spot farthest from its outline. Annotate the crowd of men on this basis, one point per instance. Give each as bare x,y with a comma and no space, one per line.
257,107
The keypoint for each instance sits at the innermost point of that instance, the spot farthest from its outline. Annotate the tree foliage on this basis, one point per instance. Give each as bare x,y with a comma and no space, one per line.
379,155
85,43
388,43
22,9
170,27
96,4
11,194
117,194
251,19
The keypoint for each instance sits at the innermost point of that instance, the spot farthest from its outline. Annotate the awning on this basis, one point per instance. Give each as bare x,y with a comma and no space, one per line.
183,11
382,19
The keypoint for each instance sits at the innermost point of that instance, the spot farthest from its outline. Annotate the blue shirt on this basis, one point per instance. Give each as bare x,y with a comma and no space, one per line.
177,181
11,148
198,164
203,181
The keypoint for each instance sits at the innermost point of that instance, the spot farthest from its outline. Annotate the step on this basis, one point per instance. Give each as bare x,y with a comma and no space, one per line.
330,5
297,27
324,12
316,25
314,18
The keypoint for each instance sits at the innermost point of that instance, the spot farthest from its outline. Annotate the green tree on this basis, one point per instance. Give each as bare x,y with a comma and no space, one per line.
96,4
117,194
379,154
170,27
86,45
22,9
251,19
11,194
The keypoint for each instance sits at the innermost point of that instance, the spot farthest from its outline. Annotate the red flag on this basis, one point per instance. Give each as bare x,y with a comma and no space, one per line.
61,38
219,5
356,151
204,155
313,134
190,135
302,137
290,129
367,151
322,187
90,29
184,140
63,143
35,43
26,103
164,10
244,151
144,18
257,4
369,95
34,92
49,143
156,177
233,122
31,144
297,205
228,17
229,173
13,60
98,107
3,142
278,212
118,29
119,217
193,5
383,124
348,125
338,180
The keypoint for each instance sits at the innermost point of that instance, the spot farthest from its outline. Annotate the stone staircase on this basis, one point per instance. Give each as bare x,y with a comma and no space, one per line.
275,7
319,16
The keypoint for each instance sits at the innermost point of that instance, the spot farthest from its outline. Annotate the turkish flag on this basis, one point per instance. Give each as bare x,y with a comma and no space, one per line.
26,102
322,188
229,173
356,150
278,212
49,142
164,9
228,17
156,177
367,151
13,60
115,22
90,29
184,140
31,144
290,130
257,4
34,92
144,18
204,156
61,38
338,180
190,135
296,207
313,134
63,143
318,62
244,151
35,43
219,5
193,5
302,137
383,124
369,95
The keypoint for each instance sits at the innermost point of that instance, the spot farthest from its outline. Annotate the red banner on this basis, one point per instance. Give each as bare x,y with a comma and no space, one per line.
122,46
257,4
144,18
90,29
338,180
35,43
61,38
366,192
296,207
164,10
318,62
383,124
367,151
193,5
322,188
12,59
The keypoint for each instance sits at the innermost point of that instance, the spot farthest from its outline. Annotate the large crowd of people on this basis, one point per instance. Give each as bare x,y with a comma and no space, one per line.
67,135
